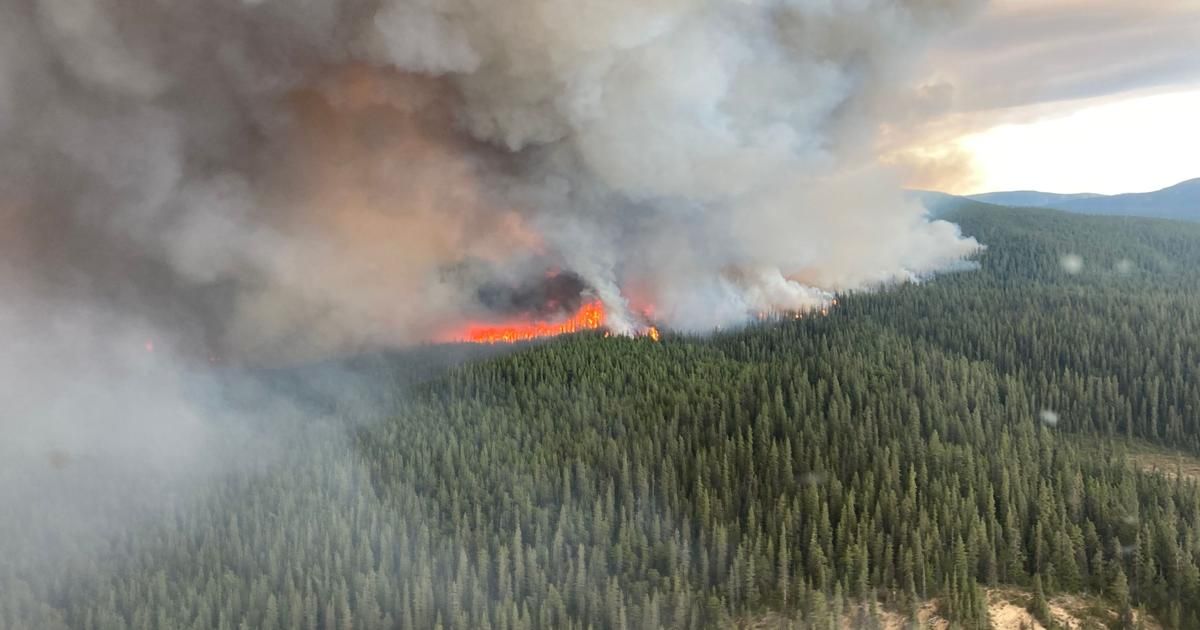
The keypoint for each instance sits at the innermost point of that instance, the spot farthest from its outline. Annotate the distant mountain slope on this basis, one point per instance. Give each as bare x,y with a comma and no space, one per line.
1181,201
1030,198
937,203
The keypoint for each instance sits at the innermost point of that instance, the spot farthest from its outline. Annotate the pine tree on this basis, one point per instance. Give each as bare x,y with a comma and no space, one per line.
1040,608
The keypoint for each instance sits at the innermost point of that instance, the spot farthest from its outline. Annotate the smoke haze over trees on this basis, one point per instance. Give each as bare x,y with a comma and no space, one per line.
913,444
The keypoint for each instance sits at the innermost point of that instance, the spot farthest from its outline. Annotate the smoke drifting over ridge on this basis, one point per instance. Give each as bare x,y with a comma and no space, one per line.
265,178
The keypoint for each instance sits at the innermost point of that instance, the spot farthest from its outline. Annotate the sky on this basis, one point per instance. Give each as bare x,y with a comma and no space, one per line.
1061,96
1134,144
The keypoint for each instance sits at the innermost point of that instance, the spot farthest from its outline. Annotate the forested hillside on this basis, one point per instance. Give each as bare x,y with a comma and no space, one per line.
917,443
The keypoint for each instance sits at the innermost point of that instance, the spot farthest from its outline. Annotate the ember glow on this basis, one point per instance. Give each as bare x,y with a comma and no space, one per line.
590,316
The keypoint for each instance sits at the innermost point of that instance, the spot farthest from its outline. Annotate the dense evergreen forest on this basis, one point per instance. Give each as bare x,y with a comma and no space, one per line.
918,443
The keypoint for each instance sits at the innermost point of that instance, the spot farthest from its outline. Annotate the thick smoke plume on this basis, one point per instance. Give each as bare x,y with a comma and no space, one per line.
259,178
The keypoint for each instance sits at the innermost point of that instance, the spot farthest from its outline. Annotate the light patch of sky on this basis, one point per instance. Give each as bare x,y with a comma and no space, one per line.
1131,145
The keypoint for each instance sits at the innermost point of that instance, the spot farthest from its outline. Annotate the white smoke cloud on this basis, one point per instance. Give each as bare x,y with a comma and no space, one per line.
740,124
267,175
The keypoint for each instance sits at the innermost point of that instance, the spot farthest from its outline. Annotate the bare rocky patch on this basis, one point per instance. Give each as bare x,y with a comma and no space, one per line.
1008,608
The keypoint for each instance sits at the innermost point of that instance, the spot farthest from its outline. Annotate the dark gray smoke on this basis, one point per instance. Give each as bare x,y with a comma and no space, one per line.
555,294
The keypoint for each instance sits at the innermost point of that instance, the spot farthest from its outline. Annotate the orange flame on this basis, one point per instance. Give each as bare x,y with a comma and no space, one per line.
590,316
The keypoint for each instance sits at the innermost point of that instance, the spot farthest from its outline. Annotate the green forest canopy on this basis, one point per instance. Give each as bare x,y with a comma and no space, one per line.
919,442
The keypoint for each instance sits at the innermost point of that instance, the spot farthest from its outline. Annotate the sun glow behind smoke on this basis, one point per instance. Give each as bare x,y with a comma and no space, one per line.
1135,144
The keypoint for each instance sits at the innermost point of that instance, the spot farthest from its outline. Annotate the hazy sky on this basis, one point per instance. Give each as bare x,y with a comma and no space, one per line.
1062,96
1130,145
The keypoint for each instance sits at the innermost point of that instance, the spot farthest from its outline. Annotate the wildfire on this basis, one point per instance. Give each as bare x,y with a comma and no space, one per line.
590,316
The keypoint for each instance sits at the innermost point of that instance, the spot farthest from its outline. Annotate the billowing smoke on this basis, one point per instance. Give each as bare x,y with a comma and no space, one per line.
262,178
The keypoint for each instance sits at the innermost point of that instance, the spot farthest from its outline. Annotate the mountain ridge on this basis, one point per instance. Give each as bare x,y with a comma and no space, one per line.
1180,201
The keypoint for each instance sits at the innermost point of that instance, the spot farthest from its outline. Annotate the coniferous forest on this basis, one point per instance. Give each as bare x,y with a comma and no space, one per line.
920,443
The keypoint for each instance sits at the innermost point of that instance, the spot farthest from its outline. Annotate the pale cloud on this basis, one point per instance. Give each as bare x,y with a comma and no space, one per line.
1030,52
1031,64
